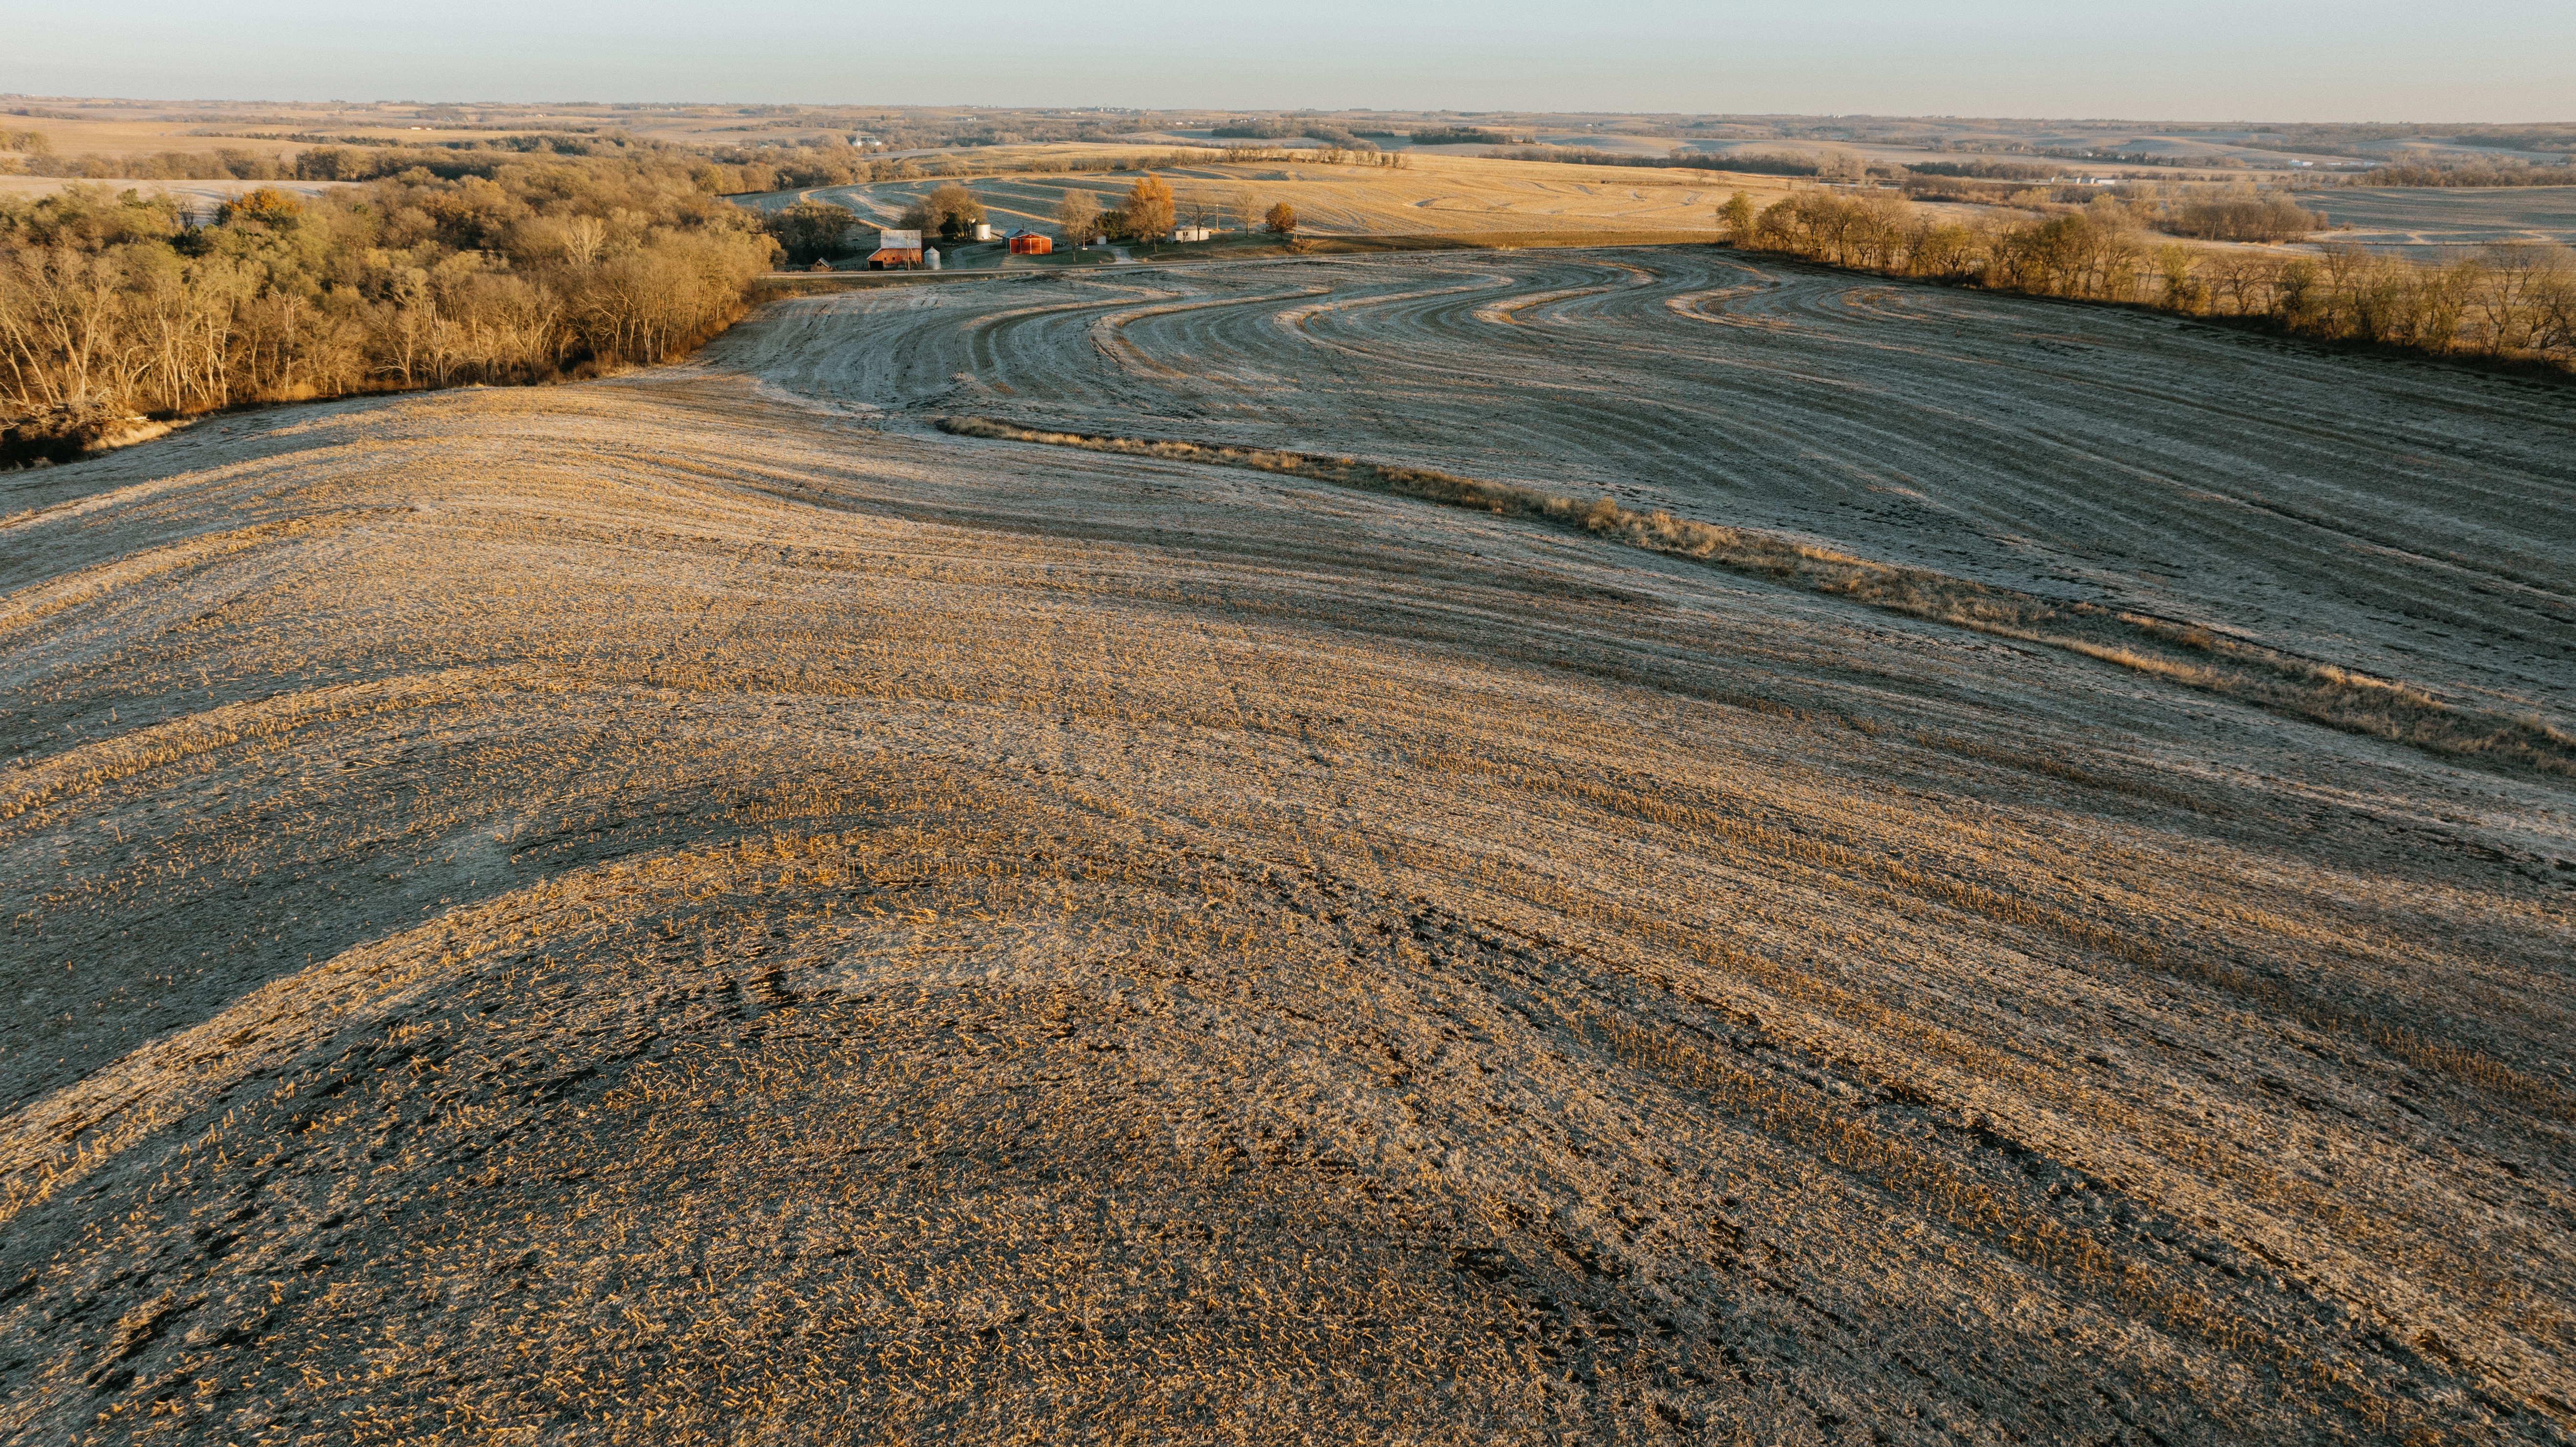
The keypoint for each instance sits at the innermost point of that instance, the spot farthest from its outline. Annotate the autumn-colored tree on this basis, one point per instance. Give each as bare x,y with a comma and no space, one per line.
117,303
1147,211
1282,219
951,210
1738,214
265,204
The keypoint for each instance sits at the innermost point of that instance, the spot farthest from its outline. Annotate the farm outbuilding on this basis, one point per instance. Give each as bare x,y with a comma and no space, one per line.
1030,243
896,249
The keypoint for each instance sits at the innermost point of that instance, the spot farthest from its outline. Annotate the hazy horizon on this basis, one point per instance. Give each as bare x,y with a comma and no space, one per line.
2006,59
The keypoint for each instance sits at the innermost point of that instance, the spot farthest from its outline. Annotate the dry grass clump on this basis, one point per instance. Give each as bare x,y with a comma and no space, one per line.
2344,698
1904,589
2338,697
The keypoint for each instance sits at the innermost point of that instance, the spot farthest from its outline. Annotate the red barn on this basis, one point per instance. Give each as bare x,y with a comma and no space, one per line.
896,249
1030,243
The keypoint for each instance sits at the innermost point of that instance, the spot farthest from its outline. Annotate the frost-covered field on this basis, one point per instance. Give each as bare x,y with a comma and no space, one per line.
696,907
2434,222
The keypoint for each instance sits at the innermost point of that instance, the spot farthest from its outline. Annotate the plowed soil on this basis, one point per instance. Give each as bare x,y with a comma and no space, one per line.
695,907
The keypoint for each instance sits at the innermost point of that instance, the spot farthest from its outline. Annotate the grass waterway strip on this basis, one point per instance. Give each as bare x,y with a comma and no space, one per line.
2266,678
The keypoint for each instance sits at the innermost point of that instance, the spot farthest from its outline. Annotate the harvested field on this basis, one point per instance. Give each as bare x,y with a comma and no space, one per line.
1460,196
2395,516
2438,222
700,907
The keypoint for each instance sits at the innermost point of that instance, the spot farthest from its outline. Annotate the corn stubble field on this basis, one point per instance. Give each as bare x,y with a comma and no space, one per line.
699,907
1519,202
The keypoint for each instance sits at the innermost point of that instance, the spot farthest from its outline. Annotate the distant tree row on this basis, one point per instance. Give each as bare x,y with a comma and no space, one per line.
1281,128
120,304
800,175
1741,163
2512,299
1466,136
1315,156
1984,170
730,171
351,159
2479,174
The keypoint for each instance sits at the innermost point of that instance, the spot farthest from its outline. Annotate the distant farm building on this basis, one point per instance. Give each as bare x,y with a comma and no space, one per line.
1191,233
896,250
1030,243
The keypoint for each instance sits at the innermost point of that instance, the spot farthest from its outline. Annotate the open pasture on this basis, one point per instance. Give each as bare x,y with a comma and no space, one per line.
695,907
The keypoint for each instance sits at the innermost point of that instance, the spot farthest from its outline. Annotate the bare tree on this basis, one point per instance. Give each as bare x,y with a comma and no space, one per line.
1077,214
583,237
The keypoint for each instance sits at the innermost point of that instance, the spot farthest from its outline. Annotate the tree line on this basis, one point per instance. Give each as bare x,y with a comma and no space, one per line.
1680,160
829,166
725,170
2514,300
1466,136
113,305
1149,211
347,159
1276,128
2483,173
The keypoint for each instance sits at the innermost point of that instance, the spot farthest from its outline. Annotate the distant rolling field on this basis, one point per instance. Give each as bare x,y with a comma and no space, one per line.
1432,194
2427,221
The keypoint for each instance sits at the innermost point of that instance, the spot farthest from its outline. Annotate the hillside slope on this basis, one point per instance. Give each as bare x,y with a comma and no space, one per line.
695,908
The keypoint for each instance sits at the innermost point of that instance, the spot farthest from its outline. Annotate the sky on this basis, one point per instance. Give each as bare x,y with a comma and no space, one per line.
2360,60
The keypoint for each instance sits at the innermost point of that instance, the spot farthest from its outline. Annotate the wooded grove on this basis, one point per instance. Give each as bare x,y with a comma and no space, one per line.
118,303
2513,299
